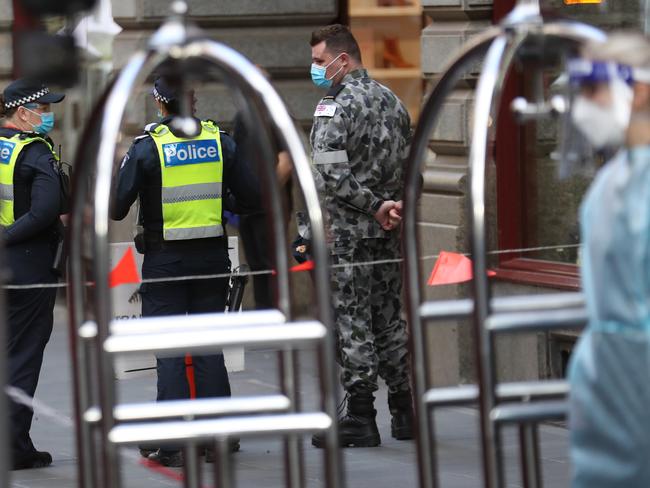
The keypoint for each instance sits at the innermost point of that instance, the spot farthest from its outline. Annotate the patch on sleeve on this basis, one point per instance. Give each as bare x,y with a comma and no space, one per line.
325,110
124,160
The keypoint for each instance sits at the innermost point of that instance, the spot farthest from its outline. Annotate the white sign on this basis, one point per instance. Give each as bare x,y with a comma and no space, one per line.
128,305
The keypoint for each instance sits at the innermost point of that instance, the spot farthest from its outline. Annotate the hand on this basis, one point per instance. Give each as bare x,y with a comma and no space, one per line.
284,167
395,214
389,215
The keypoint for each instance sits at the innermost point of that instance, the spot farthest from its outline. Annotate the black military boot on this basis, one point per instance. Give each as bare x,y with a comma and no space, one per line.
401,410
357,428
172,459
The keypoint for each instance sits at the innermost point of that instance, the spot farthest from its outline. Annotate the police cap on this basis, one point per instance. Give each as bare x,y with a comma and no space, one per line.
164,91
24,91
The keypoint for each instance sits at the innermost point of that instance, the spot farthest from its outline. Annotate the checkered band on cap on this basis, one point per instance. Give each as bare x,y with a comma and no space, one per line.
159,97
29,98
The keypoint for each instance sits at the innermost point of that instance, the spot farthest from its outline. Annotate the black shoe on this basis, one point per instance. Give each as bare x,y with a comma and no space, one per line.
146,451
31,460
209,451
357,428
401,426
401,410
172,459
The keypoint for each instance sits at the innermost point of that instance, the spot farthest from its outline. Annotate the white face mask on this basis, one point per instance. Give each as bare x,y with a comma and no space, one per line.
604,126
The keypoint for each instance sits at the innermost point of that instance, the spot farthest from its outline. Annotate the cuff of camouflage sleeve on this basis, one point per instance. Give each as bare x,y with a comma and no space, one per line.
374,206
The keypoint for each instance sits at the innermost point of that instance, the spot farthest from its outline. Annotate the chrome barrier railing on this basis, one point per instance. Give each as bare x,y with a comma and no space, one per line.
103,424
524,404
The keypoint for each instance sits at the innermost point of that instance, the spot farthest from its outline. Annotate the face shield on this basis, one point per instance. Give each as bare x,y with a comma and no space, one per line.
599,96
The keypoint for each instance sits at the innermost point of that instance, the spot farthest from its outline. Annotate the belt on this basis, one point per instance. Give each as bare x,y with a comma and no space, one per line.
157,243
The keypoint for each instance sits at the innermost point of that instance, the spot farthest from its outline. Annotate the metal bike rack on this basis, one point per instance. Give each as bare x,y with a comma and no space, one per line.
524,403
103,425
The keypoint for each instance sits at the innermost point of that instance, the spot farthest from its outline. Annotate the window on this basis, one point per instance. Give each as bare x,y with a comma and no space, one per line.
536,210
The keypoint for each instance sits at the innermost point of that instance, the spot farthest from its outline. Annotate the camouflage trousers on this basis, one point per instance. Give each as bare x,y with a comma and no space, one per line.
371,335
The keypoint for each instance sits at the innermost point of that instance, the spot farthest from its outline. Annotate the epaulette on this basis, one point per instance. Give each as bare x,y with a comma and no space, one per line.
141,137
333,92
151,127
28,134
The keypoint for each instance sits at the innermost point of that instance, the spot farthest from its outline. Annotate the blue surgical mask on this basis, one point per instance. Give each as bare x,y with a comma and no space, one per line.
318,74
47,122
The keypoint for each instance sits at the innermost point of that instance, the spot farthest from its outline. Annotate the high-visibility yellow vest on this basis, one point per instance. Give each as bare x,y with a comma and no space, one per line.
10,149
192,177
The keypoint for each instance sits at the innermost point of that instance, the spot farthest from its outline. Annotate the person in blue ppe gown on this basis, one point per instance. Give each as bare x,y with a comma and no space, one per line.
609,370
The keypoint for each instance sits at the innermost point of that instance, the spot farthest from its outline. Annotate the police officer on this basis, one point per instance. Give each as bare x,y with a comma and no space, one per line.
180,183
360,139
30,199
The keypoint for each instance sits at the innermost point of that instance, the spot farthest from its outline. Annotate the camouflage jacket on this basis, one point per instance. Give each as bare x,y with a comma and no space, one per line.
360,140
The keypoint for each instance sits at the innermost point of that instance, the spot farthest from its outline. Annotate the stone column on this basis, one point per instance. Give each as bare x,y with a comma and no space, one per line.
443,212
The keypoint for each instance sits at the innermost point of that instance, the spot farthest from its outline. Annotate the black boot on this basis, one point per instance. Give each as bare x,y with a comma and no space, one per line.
401,410
31,460
357,428
172,459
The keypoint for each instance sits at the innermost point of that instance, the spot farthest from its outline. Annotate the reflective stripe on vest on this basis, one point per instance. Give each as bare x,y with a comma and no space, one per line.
192,176
10,149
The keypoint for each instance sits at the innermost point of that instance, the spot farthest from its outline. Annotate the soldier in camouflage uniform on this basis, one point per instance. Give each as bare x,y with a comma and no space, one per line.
360,140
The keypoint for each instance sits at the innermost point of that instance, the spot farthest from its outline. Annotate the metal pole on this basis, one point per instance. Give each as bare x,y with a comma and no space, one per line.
268,107
411,249
529,455
192,470
105,161
488,94
104,129
223,473
4,404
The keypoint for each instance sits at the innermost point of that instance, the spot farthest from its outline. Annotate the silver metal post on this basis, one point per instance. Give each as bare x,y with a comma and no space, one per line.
529,453
224,476
4,402
268,108
488,97
112,118
411,249
192,470
527,13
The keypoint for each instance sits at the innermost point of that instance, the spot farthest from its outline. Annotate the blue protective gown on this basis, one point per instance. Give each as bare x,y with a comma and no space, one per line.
610,368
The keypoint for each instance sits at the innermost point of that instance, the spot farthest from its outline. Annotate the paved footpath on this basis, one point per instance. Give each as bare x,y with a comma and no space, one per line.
259,464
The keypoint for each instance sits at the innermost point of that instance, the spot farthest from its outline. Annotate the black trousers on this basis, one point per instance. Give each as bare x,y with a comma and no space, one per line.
187,297
31,316
257,247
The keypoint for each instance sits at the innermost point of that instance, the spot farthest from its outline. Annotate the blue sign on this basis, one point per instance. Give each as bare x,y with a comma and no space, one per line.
6,149
191,152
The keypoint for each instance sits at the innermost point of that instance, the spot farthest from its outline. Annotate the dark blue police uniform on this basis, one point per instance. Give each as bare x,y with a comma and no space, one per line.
140,176
31,242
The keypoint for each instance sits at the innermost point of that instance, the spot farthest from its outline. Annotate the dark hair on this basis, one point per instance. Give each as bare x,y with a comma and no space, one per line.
338,39
3,111
173,107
